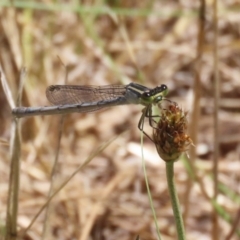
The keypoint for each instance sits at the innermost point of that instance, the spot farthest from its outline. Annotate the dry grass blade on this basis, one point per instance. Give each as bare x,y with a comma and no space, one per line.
88,225
215,227
46,228
15,153
234,226
6,89
12,206
21,84
106,43
99,150
194,123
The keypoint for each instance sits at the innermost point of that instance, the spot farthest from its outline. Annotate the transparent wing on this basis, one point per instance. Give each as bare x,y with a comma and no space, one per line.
74,94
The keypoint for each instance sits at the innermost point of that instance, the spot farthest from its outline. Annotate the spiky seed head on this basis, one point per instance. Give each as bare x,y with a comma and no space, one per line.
170,134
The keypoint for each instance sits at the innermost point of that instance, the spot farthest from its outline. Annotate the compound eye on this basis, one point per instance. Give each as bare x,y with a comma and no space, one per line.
164,87
146,94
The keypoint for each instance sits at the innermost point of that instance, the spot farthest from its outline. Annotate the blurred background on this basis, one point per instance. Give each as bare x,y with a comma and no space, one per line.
118,42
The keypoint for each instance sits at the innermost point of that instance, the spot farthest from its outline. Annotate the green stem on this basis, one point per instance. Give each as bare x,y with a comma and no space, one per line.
149,192
175,201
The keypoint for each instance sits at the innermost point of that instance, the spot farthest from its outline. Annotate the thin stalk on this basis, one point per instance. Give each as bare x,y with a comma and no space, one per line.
148,190
46,224
215,229
171,140
174,200
14,182
193,129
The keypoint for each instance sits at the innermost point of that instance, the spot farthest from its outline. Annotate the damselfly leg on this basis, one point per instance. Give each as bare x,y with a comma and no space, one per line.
147,113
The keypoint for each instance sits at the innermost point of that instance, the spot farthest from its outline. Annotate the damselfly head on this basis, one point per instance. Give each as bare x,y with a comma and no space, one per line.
159,90
155,95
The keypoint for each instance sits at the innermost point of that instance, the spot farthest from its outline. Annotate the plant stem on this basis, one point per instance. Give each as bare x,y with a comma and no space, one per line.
149,192
175,201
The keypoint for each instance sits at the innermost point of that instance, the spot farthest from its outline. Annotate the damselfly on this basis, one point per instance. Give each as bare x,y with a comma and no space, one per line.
73,98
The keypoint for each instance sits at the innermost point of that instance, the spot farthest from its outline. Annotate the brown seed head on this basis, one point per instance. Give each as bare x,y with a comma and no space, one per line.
170,135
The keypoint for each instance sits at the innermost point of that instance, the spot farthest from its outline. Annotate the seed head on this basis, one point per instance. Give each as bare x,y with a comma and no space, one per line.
170,134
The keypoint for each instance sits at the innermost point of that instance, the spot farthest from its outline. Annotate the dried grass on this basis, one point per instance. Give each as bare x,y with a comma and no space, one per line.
149,42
